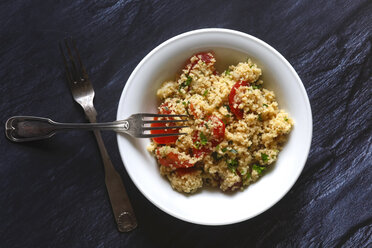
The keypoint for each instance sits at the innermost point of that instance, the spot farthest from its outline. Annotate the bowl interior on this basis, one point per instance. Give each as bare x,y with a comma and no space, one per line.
211,206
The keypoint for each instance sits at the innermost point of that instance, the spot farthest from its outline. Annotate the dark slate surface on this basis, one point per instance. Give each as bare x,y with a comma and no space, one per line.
53,192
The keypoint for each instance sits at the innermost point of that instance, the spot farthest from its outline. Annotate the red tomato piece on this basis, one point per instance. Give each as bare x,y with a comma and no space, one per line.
216,137
218,131
233,101
164,109
199,151
204,56
164,140
172,159
192,110
184,171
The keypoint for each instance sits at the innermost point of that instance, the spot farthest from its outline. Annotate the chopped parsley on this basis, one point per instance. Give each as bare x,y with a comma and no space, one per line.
186,83
285,118
197,145
259,169
217,147
216,157
224,149
227,116
247,177
245,174
265,105
230,142
259,117
203,139
232,164
264,157
178,101
186,105
205,93
206,125
227,107
257,86
251,66
233,151
166,108
227,72
242,171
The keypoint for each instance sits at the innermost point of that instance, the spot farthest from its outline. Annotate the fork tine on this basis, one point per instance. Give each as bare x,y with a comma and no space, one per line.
68,74
165,127
160,115
74,70
82,68
160,135
162,121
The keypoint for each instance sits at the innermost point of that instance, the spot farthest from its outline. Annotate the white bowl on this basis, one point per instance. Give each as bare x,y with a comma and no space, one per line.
210,207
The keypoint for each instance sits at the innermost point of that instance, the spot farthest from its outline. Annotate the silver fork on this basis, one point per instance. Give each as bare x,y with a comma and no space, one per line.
83,93
30,128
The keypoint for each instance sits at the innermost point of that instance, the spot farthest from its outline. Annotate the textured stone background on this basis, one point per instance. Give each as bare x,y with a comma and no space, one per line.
52,193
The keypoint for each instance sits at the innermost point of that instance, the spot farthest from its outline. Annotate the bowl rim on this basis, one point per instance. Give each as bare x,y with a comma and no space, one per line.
301,163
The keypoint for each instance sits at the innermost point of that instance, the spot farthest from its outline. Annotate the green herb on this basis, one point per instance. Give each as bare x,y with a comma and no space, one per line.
257,86
247,177
178,101
233,151
265,105
285,118
186,83
264,157
259,169
188,80
166,108
230,142
259,117
203,139
205,93
206,125
216,157
227,72
224,149
242,171
227,107
245,174
217,147
197,145
232,164
227,116
186,104
251,66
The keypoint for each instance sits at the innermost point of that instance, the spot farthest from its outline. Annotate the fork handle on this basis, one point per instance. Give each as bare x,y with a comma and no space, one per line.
121,206
120,203
29,128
